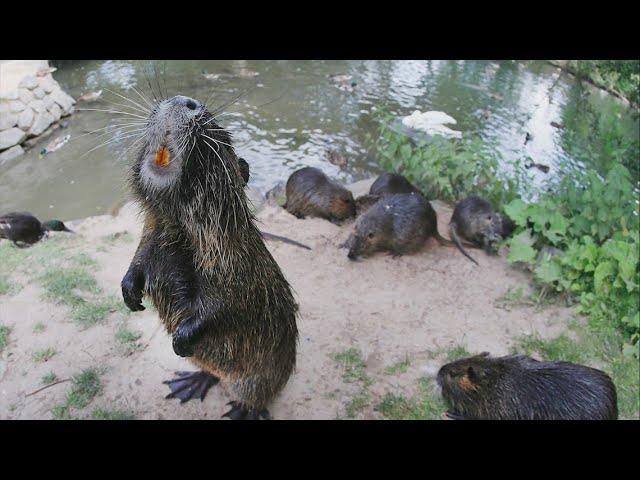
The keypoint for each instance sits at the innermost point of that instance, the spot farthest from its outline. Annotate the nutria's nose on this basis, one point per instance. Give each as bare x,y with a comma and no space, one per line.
190,103
352,256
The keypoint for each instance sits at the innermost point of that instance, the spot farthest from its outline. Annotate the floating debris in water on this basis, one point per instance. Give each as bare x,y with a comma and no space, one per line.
90,97
557,125
342,82
55,145
432,123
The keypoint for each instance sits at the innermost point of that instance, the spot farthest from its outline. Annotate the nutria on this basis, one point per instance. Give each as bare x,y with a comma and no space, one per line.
311,193
476,222
390,183
518,387
204,264
400,223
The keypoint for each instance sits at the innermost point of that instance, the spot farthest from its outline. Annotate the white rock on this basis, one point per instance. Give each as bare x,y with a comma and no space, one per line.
49,102
10,95
25,119
16,106
38,93
55,111
29,82
42,121
38,106
62,99
25,96
4,107
8,120
11,153
48,84
11,137
68,112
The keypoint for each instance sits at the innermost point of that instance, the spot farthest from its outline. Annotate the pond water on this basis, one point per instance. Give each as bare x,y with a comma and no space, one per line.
290,113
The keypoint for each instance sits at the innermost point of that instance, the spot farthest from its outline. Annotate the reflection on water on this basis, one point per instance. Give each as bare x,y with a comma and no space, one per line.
291,113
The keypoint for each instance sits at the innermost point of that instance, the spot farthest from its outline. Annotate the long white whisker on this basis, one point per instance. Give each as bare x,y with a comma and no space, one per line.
142,107
110,111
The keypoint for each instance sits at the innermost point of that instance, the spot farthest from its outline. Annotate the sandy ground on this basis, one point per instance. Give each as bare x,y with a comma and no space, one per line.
390,309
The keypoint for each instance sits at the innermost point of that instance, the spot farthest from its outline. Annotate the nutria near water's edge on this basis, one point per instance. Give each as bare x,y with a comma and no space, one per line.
391,183
518,387
311,193
203,263
475,222
399,223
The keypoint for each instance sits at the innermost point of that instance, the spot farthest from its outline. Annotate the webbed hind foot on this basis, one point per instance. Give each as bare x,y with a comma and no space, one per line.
189,384
240,411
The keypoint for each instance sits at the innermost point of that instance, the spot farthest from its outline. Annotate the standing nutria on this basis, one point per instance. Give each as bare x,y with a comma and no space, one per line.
310,192
390,183
203,263
518,387
475,221
400,223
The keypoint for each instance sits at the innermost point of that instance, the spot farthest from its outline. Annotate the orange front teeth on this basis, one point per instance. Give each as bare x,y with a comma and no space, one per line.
162,156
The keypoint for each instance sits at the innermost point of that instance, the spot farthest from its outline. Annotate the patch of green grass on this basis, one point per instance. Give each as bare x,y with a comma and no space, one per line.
83,260
5,286
398,367
354,372
456,352
354,366
358,403
4,337
89,313
85,387
127,339
118,237
598,350
39,327
61,412
424,406
61,284
104,414
43,355
49,378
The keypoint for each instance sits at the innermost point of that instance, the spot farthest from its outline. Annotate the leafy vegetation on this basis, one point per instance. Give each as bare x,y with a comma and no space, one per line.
128,339
49,378
43,355
621,77
354,372
105,414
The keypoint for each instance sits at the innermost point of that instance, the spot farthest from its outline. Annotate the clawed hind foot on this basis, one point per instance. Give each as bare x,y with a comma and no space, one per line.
239,411
189,384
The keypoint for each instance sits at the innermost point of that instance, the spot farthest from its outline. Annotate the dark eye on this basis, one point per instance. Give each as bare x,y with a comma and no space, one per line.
371,235
191,105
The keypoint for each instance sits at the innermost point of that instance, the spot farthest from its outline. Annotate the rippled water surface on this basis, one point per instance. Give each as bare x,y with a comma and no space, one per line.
291,113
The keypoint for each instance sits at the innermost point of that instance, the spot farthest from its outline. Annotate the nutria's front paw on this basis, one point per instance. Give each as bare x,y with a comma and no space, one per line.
182,345
132,291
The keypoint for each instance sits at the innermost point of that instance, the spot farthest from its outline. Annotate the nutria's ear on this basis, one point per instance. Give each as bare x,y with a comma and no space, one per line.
472,373
484,354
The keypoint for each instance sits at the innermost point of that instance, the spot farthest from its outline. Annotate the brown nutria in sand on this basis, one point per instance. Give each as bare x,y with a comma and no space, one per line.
390,183
202,261
399,223
475,222
385,184
518,387
311,193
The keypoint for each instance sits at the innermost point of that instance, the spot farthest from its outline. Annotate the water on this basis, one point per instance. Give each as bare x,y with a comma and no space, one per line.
292,113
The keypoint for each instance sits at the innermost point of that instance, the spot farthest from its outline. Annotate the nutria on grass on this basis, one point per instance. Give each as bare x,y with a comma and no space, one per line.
475,222
399,223
311,193
204,265
518,387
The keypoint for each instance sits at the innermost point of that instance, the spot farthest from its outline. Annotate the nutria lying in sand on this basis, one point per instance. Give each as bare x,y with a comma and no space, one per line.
518,387
475,221
204,264
390,183
311,193
399,223
385,184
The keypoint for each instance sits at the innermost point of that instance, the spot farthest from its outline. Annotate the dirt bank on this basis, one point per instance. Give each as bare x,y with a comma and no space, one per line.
406,312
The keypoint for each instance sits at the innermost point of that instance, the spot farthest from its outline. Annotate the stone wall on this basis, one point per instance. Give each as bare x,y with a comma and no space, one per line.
31,102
